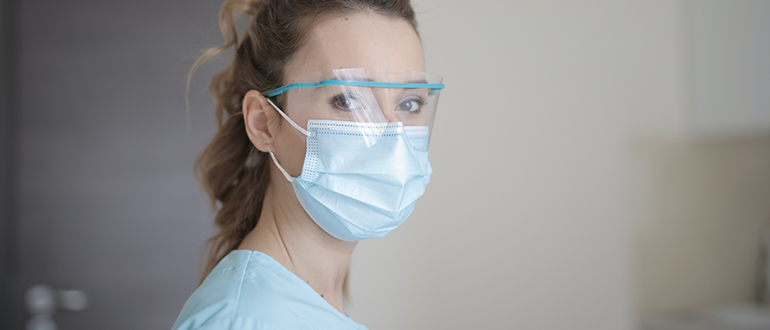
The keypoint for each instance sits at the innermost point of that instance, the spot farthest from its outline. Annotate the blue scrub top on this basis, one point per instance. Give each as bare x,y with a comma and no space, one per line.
251,290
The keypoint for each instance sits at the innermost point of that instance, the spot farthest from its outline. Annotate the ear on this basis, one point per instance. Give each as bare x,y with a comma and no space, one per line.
261,120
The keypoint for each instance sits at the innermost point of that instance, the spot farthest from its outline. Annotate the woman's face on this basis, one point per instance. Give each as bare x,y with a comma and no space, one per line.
371,41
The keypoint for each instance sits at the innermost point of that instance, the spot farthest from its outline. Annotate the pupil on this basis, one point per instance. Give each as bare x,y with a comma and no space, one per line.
344,102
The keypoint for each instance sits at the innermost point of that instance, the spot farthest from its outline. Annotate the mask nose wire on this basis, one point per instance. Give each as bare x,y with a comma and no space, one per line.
293,124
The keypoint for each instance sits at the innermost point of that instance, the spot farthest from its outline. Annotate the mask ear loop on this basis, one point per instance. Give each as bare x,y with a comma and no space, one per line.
288,177
293,124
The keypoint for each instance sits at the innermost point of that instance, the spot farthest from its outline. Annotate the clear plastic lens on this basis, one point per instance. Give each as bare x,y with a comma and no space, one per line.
376,102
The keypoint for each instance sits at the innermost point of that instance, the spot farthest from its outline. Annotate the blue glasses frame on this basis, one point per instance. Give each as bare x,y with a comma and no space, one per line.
282,89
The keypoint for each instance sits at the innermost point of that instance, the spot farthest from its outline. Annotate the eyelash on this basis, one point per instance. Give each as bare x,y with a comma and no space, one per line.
334,101
342,97
419,100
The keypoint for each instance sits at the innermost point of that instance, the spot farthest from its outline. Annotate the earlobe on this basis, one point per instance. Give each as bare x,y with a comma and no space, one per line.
256,116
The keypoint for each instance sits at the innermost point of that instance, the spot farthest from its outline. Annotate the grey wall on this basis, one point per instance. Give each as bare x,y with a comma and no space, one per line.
9,290
107,200
730,47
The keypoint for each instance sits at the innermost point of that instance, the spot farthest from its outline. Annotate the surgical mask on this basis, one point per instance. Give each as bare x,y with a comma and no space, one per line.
354,189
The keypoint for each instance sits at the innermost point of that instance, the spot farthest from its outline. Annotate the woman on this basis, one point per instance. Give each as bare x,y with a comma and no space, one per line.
324,119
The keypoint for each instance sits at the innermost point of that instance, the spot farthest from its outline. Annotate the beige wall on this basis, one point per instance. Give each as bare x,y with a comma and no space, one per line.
700,193
699,208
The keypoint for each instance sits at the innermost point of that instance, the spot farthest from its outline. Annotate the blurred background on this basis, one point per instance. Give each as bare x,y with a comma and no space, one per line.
597,165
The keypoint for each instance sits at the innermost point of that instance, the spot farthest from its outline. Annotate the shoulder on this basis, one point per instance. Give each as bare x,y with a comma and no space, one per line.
234,295
250,290
246,290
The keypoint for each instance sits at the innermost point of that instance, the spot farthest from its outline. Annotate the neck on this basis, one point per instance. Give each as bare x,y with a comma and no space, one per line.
287,234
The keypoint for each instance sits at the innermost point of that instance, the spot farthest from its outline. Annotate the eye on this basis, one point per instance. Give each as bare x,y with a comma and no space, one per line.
346,102
411,105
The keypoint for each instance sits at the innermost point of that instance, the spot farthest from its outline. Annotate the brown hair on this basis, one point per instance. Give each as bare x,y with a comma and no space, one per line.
233,172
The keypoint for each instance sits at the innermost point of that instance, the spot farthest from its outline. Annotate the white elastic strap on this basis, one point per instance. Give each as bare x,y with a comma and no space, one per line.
293,124
288,177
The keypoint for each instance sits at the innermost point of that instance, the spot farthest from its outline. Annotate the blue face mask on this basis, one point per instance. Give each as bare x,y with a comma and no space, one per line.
354,189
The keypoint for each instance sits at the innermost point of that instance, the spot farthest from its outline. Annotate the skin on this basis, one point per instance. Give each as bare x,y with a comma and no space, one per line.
285,231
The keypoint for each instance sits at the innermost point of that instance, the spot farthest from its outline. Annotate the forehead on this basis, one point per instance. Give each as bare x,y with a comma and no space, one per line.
359,40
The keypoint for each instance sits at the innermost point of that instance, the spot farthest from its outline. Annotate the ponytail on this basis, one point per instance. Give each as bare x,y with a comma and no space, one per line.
230,169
